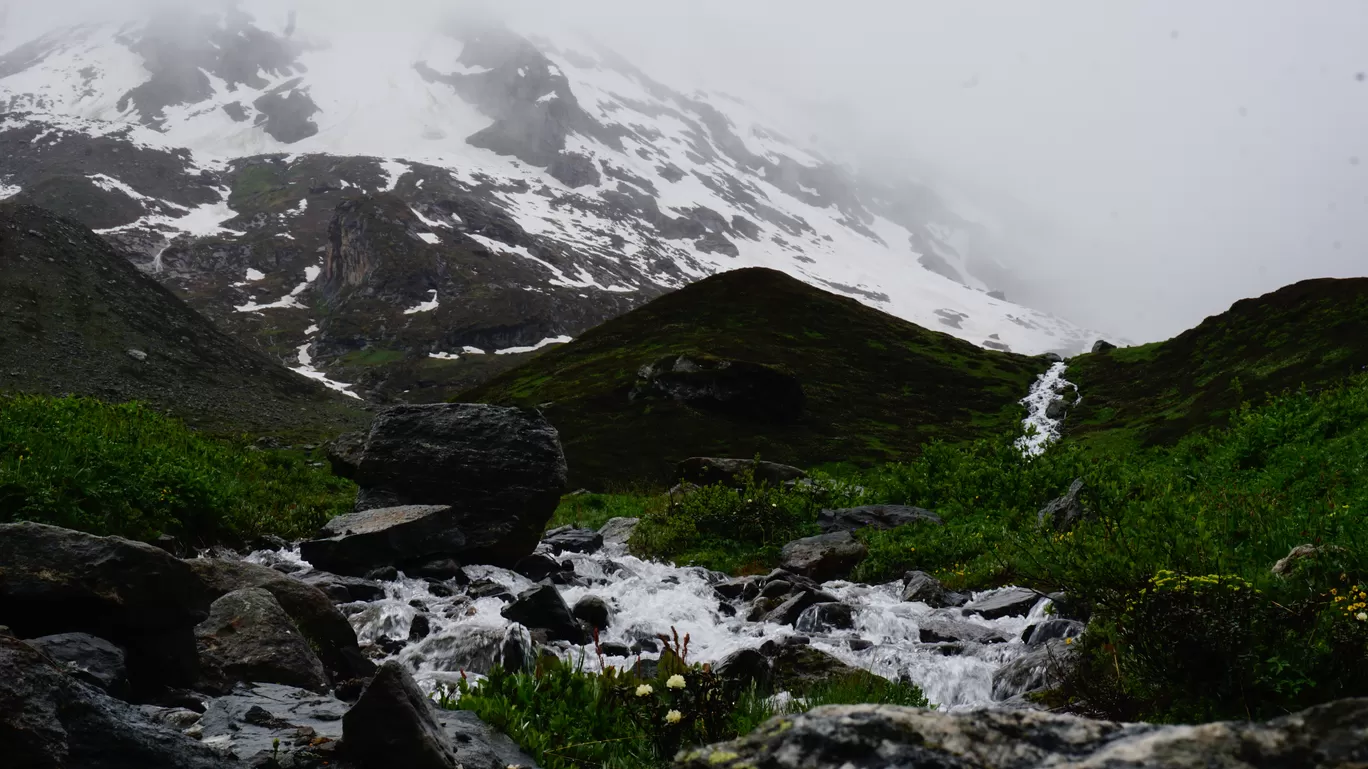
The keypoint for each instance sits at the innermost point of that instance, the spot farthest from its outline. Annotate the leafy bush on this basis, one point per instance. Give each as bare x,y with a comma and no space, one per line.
127,470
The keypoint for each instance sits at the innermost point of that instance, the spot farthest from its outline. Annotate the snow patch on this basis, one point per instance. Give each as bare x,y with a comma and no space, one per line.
110,184
9,191
1041,430
429,238
543,343
468,350
306,368
444,356
427,306
548,98
395,171
433,223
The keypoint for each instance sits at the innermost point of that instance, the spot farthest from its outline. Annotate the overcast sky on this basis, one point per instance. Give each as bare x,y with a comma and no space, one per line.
1152,161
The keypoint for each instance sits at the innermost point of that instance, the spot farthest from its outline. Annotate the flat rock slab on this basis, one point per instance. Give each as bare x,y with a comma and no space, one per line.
357,543
1008,602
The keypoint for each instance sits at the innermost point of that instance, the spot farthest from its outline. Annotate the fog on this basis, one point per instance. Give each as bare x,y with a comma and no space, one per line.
1146,162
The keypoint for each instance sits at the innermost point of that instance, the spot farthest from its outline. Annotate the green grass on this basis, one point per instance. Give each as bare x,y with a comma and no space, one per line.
875,387
129,471
591,511
567,716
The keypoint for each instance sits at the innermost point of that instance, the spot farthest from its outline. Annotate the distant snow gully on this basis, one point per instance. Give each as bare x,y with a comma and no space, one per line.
1043,422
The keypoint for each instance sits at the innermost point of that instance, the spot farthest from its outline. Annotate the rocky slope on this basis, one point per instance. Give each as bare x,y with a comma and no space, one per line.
77,318
394,221
754,361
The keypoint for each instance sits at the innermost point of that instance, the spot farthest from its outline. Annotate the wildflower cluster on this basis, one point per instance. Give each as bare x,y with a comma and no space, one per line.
1352,602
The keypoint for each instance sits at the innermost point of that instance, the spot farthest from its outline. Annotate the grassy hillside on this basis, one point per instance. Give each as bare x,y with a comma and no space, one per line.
875,387
1310,333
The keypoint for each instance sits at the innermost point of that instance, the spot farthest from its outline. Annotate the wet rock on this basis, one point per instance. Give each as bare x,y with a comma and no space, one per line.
439,569
358,544
137,596
249,637
941,630
478,745
1328,736
1008,602
743,668
571,539
873,517
393,724
593,611
1102,345
50,720
706,471
327,631
383,574
1052,629
1056,410
823,557
499,470
797,667
922,587
419,628
859,644
515,652
537,566
788,612
825,617
488,588
1044,667
248,721
87,658
340,589
732,589
543,608
776,588
1066,511
618,530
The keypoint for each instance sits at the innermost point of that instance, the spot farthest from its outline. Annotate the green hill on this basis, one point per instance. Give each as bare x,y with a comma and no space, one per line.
1311,334
873,387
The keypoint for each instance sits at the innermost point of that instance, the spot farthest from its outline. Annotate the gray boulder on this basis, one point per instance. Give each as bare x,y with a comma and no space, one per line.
618,530
944,630
1052,629
823,557
248,637
922,587
500,470
134,595
1066,511
706,471
329,633
1329,736
1102,345
543,608
394,725
1007,602
573,539
342,589
874,517
50,720
593,611
1043,667
825,617
744,668
248,721
87,658
788,612
357,544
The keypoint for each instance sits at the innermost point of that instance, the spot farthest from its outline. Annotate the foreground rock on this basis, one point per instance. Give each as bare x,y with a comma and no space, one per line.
50,720
356,544
90,659
329,633
542,608
823,557
706,471
500,470
394,725
874,517
249,637
136,596
1332,736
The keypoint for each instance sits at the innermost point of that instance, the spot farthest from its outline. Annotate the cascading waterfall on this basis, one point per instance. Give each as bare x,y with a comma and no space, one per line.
648,598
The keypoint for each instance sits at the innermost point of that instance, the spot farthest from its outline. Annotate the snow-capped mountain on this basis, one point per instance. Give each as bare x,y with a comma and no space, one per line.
407,200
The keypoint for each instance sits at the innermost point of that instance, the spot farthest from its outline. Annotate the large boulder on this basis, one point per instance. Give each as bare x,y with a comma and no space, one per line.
1064,512
249,637
50,720
1330,736
707,471
137,596
90,659
823,557
500,470
873,517
542,608
357,544
329,633
394,725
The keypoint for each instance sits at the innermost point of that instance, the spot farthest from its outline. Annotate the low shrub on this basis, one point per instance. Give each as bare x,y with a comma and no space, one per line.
130,471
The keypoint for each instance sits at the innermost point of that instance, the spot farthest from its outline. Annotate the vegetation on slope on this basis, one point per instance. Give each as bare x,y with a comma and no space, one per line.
875,387
129,471
1309,333
1188,620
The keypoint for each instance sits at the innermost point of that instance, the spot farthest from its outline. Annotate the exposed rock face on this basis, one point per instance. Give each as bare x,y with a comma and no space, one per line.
873,516
329,633
574,170
135,595
87,658
501,471
49,720
706,471
737,388
393,724
1332,736
823,557
1066,511
249,637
